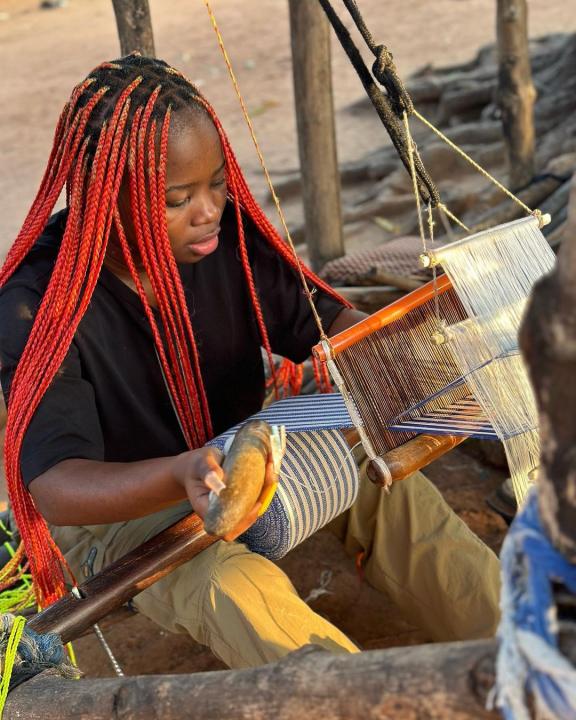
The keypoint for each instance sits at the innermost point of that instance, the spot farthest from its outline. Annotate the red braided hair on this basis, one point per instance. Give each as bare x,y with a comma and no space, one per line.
116,125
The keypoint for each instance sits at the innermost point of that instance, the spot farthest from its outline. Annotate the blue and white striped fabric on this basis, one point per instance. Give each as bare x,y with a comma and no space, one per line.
318,477
463,417
318,480
299,414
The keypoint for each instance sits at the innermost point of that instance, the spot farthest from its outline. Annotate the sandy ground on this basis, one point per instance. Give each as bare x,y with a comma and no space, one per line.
44,53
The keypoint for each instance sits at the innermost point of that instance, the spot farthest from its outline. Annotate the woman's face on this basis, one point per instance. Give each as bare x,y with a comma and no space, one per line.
195,188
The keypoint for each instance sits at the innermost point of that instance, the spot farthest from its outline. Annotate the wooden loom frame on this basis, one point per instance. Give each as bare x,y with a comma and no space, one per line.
423,449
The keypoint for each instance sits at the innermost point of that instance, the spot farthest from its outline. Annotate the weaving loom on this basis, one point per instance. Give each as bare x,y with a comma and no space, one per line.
444,359
389,362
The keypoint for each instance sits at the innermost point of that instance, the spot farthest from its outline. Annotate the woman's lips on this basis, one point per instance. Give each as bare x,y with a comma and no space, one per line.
206,245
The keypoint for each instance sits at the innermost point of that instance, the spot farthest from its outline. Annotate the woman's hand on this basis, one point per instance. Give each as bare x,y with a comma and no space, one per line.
199,471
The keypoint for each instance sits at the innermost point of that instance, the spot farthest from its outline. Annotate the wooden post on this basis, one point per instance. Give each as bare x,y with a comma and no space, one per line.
516,93
134,26
310,36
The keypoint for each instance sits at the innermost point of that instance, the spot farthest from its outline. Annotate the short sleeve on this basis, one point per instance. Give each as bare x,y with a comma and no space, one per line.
289,320
65,424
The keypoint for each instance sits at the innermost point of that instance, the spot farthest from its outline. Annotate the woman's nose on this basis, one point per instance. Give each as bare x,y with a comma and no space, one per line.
207,210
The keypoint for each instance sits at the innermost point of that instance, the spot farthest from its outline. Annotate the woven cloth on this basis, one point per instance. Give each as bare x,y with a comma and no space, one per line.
298,414
396,257
318,477
318,480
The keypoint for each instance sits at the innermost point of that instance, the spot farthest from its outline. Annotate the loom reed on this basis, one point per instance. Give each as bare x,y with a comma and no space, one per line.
398,367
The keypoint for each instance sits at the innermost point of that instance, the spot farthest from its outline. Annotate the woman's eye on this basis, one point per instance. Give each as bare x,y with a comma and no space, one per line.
177,203
219,183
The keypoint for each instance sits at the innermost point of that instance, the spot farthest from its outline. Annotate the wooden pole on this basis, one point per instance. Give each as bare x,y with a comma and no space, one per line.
516,93
71,616
310,36
134,27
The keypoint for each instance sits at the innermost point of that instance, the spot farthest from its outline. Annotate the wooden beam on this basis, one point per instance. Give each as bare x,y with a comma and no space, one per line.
310,36
70,617
516,93
134,27
436,681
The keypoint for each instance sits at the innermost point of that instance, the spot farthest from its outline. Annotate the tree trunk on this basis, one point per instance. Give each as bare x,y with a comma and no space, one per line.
134,27
516,93
427,682
432,681
310,36
548,339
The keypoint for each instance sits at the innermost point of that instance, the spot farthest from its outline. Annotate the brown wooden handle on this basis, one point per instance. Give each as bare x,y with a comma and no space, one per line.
120,581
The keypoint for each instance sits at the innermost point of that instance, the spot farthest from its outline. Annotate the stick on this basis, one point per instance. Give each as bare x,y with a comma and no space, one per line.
134,27
120,581
383,317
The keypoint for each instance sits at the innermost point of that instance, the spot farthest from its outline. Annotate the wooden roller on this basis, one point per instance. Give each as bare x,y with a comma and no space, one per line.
382,318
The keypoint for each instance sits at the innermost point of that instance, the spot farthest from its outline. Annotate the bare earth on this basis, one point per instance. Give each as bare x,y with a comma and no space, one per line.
43,53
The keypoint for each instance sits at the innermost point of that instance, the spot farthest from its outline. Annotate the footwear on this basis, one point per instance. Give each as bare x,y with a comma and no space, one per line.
503,501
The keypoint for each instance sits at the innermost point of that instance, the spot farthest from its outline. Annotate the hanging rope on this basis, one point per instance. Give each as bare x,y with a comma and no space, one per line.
307,290
389,107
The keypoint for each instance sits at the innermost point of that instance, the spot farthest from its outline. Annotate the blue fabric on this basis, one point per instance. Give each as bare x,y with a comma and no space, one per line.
298,414
529,659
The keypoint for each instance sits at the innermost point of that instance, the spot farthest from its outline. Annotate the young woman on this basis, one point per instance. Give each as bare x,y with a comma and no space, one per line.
131,327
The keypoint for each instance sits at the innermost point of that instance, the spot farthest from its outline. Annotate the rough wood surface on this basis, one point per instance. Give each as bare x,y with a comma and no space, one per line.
516,93
310,36
548,339
427,682
134,26
435,681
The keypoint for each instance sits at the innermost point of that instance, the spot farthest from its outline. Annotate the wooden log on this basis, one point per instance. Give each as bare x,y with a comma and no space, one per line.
533,196
428,682
432,681
310,37
465,100
516,93
134,27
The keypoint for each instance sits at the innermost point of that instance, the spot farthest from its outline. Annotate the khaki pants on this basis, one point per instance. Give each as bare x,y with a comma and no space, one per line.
246,609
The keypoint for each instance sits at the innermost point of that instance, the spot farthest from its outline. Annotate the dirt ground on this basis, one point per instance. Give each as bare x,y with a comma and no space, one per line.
43,53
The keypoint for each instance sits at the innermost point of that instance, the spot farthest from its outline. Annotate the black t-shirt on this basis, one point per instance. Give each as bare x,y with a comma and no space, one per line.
109,400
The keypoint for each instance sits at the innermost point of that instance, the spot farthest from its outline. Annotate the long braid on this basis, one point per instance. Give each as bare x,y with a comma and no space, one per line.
115,126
